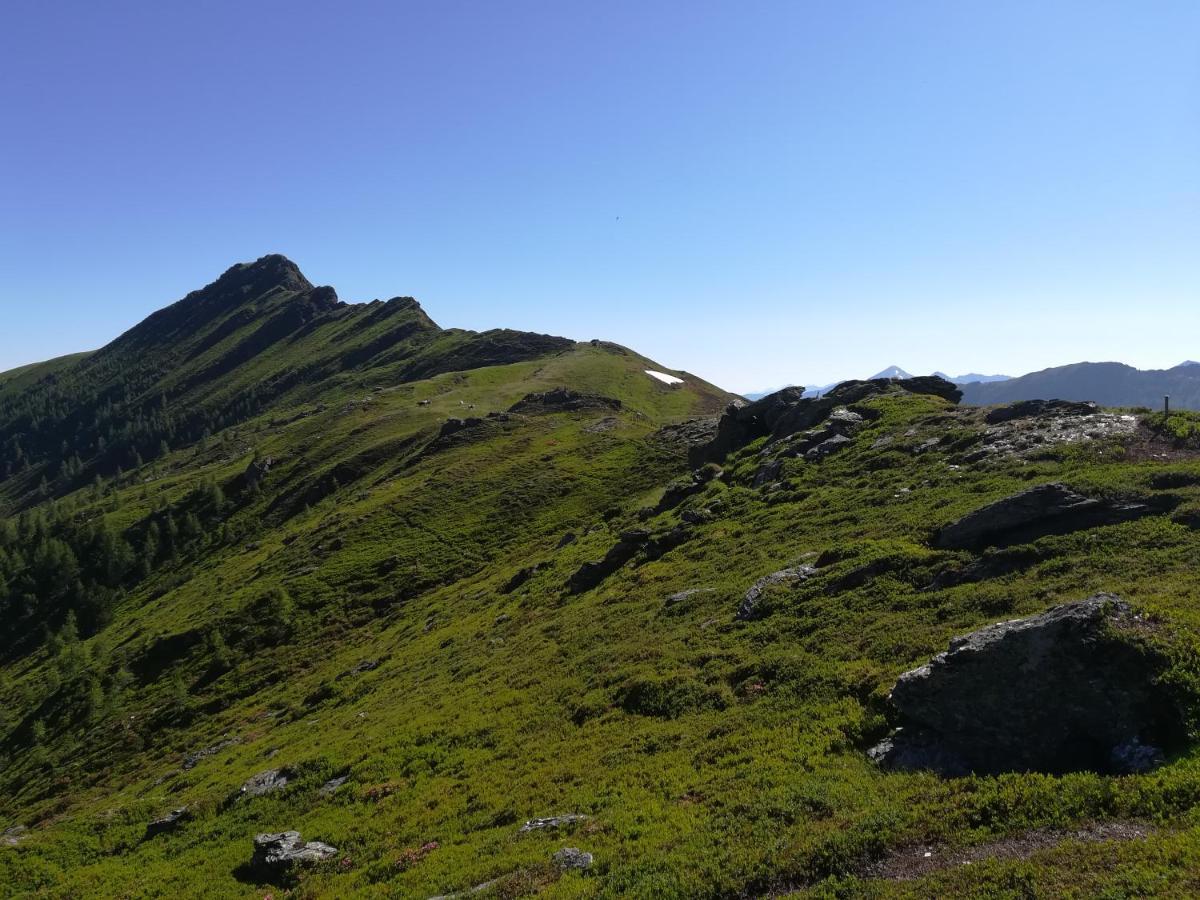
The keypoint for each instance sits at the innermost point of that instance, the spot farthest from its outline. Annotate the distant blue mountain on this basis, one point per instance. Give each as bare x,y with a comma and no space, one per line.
813,390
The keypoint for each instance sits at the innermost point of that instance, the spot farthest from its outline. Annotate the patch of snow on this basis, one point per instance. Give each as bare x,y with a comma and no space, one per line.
664,377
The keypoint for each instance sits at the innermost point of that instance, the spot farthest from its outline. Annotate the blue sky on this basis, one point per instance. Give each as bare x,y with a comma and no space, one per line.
757,192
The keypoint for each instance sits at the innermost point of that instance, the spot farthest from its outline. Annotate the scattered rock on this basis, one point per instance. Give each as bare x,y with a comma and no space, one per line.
552,822
566,539
367,665
680,596
276,853
194,758
257,471
1057,692
678,491
520,577
631,542
1046,509
749,607
1034,435
767,472
264,783
13,835
572,859
826,447
331,786
993,564
169,822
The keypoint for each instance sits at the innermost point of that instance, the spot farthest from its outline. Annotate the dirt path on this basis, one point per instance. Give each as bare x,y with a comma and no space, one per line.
908,863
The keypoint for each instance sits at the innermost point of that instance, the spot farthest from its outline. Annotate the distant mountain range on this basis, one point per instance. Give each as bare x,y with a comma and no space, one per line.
1107,383
813,390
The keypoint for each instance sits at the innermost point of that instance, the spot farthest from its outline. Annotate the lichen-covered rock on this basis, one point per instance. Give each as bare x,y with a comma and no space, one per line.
1066,690
572,858
1025,409
264,783
274,853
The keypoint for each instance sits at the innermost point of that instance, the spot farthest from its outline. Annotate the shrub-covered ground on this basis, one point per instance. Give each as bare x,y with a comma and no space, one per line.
350,610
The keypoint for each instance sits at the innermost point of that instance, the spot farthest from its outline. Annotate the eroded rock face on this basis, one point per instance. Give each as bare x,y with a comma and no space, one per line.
275,853
1066,690
1046,509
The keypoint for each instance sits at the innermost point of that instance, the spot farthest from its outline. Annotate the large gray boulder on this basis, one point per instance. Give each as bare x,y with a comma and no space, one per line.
1066,690
1045,509
276,853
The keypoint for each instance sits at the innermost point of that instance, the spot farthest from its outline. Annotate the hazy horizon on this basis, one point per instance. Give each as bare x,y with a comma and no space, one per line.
783,193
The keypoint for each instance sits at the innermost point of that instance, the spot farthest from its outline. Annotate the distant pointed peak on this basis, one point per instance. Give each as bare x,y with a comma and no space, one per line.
890,372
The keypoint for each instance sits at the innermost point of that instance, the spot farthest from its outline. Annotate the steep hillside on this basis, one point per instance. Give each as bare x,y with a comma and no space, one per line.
459,608
1109,384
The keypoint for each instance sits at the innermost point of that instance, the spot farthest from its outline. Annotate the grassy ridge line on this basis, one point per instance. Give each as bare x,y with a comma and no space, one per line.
716,758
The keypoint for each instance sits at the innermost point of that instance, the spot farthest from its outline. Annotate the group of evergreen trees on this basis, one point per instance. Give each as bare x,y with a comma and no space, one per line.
57,567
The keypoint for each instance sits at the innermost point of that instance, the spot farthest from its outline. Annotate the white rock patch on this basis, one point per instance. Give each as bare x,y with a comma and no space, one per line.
664,377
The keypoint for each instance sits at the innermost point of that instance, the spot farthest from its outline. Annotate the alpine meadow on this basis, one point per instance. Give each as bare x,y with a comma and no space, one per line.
502,613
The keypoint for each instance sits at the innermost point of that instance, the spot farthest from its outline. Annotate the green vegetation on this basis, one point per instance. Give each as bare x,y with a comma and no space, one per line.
318,577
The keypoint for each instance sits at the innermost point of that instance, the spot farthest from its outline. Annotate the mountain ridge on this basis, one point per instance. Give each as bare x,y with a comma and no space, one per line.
499,612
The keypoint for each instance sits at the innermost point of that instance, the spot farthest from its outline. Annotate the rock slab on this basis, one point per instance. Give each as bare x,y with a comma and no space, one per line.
1045,509
1066,690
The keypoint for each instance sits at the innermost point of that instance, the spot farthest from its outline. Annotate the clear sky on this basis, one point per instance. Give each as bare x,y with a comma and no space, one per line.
757,192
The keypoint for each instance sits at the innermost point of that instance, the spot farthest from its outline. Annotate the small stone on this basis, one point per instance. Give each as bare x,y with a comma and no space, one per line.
573,859
552,822
332,785
169,822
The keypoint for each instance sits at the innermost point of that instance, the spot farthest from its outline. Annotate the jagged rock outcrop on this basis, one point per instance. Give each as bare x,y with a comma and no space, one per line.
276,853
629,545
562,400
679,490
1066,690
1045,509
788,411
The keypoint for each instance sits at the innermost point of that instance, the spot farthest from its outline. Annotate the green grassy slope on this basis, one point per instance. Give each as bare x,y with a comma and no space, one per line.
713,758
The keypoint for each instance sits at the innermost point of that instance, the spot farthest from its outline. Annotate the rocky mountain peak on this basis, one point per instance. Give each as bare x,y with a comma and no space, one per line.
255,278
